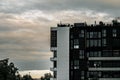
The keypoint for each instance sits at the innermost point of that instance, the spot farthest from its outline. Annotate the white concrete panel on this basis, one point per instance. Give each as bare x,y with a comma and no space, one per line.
104,69
109,79
63,53
104,58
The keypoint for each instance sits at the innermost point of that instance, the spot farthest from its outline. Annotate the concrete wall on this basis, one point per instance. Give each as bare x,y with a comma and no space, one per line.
63,53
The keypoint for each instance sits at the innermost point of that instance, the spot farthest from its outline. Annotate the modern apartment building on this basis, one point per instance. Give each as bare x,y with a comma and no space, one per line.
86,52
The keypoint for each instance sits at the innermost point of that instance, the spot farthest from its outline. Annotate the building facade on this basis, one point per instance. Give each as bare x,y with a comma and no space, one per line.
86,52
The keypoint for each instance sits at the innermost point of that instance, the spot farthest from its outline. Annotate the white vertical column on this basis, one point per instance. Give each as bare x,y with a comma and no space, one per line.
63,53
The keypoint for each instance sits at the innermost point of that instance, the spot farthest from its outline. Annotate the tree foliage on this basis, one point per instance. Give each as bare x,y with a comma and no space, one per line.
8,71
47,76
27,77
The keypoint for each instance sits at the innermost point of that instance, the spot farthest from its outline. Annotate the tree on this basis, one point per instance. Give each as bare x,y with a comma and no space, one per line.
27,77
7,71
47,76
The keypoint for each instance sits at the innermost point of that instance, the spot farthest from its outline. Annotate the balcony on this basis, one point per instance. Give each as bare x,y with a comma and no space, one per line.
53,69
104,58
105,78
53,48
53,79
104,69
53,59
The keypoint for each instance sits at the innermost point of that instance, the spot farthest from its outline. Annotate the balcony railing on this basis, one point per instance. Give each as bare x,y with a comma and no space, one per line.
53,69
53,58
53,48
104,58
104,69
105,78
53,79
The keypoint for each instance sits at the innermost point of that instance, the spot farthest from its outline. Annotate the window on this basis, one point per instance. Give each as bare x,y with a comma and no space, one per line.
91,34
99,34
116,53
95,54
88,35
107,53
99,43
82,73
94,35
76,43
81,34
55,64
114,32
87,43
53,38
55,54
55,74
94,43
94,74
104,33
99,54
91,43
104,42
76,46
81,54
71,44
71,36
76,64
87,54
97,63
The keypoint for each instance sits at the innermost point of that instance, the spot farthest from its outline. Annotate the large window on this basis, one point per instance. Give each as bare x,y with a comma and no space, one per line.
53,38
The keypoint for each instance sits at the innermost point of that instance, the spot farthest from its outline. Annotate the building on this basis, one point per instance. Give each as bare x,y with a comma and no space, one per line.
86,52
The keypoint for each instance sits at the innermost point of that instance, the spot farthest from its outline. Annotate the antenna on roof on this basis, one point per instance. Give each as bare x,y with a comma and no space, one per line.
60,22
95,23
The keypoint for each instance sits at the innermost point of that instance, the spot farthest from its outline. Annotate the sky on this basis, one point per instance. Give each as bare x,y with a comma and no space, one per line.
25,26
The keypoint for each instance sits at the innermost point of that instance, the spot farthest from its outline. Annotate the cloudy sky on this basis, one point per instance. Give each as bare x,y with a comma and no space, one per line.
25,26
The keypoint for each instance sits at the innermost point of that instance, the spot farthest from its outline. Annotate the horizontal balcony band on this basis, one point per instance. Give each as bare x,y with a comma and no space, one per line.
105,79
53,58
104,69
53,79
109,79
53,69
53,48
104,58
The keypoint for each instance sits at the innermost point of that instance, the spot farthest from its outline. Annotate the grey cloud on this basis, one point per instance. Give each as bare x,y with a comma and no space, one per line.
25,27
18,6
